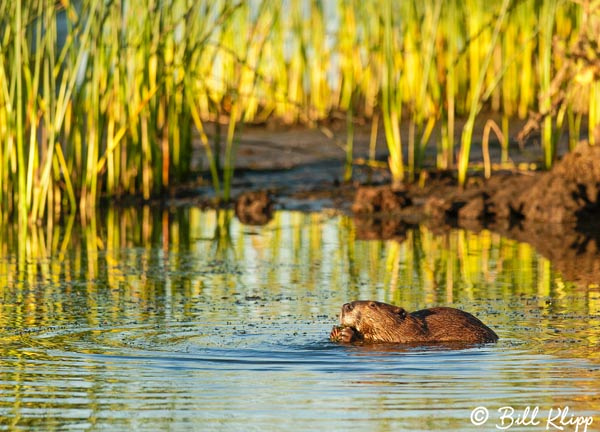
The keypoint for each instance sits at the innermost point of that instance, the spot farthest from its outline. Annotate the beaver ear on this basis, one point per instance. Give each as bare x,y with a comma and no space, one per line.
400,312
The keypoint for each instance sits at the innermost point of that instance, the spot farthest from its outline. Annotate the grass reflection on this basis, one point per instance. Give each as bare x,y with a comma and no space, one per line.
127,247
139,263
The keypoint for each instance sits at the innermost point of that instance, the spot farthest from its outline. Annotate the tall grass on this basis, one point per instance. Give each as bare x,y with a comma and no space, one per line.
391,93
547,19
106,98
477,82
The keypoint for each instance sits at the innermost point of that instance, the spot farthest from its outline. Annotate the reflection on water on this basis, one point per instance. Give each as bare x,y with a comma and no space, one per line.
187,320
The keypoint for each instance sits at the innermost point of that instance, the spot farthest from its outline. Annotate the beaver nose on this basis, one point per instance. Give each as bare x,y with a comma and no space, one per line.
348,307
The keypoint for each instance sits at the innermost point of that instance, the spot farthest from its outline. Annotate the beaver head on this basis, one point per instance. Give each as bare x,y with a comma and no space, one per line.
381,322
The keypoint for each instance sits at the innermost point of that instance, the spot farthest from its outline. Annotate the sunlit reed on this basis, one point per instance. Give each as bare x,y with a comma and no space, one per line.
107,98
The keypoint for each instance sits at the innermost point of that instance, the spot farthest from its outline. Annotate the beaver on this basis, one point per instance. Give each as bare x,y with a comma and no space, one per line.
373,321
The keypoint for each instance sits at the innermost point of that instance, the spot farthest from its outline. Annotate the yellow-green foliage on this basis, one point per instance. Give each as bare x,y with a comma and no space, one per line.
103,97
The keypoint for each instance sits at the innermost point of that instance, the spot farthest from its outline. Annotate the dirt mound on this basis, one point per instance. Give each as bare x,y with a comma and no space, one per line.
567,193
379,199
254,207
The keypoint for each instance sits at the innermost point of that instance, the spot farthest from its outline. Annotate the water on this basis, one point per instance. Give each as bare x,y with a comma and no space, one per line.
186,320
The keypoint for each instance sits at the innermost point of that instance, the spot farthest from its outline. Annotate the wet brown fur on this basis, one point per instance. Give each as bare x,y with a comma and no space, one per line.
374,321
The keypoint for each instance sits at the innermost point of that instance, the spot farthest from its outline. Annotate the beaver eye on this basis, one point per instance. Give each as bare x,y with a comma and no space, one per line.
372,305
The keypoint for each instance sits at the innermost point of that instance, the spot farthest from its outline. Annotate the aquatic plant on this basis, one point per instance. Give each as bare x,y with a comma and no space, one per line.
391,93
108,98
476,101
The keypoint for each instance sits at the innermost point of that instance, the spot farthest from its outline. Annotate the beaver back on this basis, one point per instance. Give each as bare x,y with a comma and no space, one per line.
446,324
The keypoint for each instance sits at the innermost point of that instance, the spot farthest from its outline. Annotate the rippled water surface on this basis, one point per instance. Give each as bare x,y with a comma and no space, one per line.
191,321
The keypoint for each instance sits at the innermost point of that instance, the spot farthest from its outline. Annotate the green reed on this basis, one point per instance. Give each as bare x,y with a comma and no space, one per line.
391,93
545,71
476,100
425,93
110,98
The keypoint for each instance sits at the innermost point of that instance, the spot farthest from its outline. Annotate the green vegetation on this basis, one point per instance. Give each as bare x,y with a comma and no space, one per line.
107,97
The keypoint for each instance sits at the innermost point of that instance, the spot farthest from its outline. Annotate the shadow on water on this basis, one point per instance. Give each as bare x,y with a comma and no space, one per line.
173,318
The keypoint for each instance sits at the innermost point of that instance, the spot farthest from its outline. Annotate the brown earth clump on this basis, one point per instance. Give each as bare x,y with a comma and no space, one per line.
379,199
568,192
254,208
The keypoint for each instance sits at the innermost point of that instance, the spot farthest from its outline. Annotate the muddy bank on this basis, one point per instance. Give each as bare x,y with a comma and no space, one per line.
566,194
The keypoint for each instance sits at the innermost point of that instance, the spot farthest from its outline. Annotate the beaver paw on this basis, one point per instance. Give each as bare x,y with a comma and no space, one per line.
343,334
335,334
